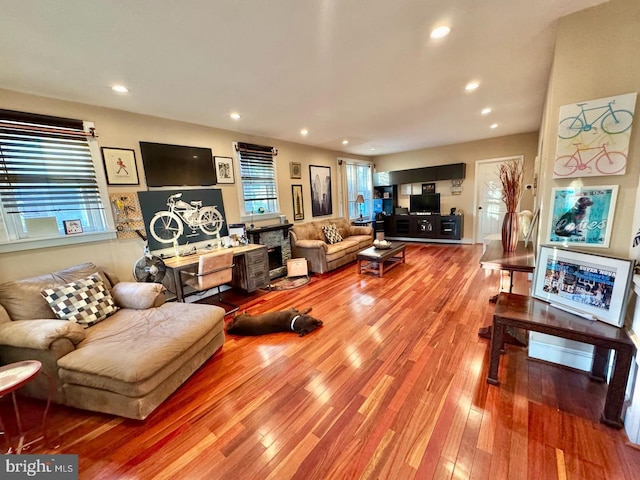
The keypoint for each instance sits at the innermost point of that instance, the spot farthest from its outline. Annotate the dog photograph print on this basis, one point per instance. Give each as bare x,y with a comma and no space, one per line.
582,216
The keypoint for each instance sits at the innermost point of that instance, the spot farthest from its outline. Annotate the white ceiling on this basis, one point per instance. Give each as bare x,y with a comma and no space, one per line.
364,70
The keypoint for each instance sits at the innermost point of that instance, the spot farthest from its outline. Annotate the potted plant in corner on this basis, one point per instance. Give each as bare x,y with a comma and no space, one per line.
511,177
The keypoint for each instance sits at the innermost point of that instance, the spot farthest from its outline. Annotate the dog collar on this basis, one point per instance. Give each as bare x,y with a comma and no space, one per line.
294,321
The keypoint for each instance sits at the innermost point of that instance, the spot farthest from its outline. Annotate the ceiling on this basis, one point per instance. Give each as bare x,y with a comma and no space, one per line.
362,70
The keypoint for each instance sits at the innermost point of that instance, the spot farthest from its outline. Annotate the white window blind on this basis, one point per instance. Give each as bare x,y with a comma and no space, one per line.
258,178
46,171
359,182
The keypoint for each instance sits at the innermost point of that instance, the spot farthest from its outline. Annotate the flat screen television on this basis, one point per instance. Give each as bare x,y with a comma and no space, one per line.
425,203
177,165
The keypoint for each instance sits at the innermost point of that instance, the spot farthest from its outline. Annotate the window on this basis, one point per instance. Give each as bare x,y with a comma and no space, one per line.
258,178
359,182
47,177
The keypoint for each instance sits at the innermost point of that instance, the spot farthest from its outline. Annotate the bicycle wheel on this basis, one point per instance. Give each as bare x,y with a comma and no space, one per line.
565,165
611,163
165,227
617,121
210,220
570,127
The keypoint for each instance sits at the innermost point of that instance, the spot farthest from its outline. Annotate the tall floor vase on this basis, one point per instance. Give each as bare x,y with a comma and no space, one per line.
510,232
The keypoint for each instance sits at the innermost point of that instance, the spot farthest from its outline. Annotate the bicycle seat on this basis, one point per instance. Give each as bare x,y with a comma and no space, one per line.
196,203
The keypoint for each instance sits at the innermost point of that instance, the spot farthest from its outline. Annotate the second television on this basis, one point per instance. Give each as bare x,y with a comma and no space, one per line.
425,203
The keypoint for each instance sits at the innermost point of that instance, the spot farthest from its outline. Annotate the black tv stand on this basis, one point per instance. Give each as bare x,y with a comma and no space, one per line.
424,226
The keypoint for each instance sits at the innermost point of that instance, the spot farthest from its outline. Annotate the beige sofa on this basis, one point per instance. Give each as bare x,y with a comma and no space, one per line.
308,241
125,365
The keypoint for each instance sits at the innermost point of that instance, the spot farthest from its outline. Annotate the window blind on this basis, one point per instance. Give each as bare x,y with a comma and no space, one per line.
257,172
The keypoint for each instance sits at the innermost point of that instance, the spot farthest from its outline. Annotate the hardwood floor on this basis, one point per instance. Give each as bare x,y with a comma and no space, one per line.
391,387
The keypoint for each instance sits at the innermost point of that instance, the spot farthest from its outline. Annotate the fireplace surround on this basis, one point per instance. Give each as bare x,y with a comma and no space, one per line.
276,239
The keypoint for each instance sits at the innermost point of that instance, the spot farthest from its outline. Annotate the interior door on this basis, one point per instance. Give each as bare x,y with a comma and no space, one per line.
490,207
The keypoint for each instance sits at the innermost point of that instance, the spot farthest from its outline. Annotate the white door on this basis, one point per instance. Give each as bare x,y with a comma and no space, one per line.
490,208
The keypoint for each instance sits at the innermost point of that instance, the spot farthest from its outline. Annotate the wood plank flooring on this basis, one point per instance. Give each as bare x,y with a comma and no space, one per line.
391,387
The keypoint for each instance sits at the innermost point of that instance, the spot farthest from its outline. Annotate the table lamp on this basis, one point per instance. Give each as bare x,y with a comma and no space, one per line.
360,201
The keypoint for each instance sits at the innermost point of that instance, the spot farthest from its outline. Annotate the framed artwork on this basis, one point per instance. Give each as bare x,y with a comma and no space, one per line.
593,286
582,215
120,166
320,179
71,227
224,169
298,205
295,170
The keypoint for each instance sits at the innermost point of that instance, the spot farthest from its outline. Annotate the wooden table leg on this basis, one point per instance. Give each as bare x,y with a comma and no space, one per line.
611,415
599,364
496,346
381,268
359,267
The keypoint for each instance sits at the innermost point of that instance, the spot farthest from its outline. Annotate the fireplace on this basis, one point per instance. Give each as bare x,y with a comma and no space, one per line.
276,239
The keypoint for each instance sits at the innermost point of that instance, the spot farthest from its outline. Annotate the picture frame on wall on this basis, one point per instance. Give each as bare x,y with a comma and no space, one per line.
224,170
590,285
320,180
298,202
120,166
295,170
582,216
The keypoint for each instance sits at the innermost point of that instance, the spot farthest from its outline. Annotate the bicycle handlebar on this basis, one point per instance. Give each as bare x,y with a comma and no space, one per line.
175,195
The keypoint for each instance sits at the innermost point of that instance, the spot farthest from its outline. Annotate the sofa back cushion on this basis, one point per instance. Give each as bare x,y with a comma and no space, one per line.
308,231
22,300
343,226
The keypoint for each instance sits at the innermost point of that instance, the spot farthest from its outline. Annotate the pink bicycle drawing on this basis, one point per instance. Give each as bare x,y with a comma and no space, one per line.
611,121
606,162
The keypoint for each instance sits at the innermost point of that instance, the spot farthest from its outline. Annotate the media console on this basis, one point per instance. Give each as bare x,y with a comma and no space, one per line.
424,226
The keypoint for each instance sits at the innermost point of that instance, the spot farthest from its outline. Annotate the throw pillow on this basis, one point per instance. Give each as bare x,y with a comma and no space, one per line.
86,301
332,234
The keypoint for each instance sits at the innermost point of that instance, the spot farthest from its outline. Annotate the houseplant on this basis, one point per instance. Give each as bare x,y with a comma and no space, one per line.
511,177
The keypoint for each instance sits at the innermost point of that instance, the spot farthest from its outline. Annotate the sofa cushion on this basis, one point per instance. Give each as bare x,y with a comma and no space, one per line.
22,299
138,295
86,301
332,234
308,231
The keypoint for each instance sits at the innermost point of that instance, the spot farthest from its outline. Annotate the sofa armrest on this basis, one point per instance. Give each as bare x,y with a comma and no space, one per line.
138,296
312,244
39,334
356,230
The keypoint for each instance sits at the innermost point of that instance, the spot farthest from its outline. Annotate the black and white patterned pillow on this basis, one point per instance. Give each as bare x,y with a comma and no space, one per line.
86,301
332,234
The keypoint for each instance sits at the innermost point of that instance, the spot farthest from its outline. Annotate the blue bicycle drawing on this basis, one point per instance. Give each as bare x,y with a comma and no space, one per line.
611,121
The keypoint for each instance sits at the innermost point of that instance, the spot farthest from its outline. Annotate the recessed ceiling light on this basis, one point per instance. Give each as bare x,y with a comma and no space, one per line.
495,125
471,86
304,132
120,89
486,111
345,142
373,149
440,32
235,116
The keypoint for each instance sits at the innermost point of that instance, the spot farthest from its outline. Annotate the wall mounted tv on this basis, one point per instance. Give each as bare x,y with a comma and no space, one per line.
425,203
176,165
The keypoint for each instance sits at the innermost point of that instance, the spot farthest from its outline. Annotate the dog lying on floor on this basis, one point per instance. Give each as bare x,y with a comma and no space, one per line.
273,322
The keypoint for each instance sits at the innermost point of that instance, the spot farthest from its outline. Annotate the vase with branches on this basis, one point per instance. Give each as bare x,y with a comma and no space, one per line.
511,177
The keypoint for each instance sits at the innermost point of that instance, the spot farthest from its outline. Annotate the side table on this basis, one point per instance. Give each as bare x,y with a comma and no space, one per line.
12,377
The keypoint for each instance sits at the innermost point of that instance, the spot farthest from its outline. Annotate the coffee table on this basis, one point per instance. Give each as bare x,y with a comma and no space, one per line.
380,260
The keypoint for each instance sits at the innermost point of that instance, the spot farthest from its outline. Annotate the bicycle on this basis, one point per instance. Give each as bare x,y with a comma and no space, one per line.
166,226
613,121
607,163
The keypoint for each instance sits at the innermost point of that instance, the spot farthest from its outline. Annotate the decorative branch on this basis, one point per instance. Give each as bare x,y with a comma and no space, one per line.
511,177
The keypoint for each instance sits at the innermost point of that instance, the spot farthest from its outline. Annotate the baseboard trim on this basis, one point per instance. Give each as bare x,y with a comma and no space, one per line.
570,357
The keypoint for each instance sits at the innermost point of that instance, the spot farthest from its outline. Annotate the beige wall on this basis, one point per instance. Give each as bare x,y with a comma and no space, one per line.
596,56
523,144
124,130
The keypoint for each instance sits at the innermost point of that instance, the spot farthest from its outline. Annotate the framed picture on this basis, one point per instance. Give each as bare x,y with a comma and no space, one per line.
72,227
120,166
295,170
320,179
582,215
428,188
224,169
298,205
590,285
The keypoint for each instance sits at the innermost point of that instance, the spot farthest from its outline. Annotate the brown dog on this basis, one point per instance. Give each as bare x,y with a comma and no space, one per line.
273,322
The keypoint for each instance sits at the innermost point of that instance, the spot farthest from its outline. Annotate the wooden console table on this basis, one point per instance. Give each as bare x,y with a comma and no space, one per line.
535,315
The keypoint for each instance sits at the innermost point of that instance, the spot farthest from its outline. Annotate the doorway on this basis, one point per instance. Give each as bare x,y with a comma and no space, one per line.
489,207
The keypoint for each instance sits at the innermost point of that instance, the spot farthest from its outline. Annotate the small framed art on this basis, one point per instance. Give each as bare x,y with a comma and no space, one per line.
71,227
120,166
298,205
295,170
224,169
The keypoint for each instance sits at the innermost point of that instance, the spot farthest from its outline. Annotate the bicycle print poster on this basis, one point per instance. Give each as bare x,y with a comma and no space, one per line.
593,137
182,216
582,215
